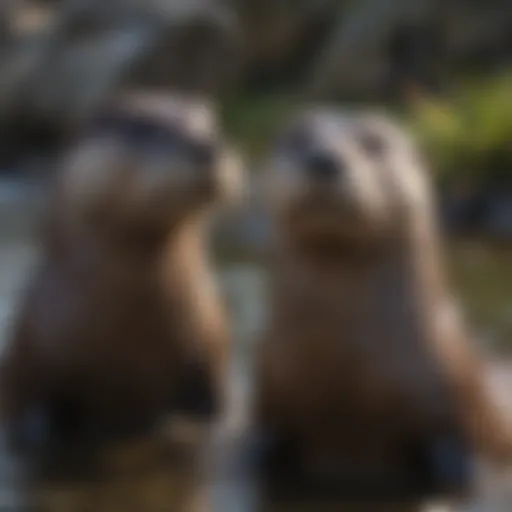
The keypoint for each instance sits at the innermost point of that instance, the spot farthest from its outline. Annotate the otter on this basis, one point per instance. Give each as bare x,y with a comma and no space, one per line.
366,383
121,324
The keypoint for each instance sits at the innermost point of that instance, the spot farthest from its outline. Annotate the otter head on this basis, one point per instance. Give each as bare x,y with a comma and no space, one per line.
145,164
345,179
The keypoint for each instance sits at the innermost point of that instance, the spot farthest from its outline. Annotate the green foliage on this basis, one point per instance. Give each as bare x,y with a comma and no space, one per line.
466,136
471,135
252,121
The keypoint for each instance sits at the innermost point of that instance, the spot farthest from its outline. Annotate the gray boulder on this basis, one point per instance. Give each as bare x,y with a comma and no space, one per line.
53,77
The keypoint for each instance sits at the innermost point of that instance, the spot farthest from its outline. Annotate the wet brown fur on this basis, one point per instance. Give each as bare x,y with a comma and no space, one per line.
362,360
117,326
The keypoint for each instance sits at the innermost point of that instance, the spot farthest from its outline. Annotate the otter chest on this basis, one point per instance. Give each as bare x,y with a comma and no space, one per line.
355,349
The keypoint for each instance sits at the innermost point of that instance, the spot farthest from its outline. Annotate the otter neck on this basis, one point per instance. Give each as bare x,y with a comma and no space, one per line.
90,250
403,275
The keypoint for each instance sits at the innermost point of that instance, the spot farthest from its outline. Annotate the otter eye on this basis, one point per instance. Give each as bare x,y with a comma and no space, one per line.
202,152
372,144
146,133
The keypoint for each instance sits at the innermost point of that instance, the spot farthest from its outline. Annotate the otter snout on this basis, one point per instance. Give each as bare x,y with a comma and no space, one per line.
322,167
205,153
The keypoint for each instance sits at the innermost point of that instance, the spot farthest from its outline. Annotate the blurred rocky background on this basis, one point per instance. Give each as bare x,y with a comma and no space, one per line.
443,66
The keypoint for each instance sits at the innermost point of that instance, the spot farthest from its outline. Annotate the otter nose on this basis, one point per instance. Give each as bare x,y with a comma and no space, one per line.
321,166
204,153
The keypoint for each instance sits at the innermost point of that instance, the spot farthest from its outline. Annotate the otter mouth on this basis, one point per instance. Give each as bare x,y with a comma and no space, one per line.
337,247
166,203
325,205
335,233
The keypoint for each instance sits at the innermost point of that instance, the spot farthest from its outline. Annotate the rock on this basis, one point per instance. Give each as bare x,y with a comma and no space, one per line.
360,55
6,10
280,41
53,78
356,57
476,32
